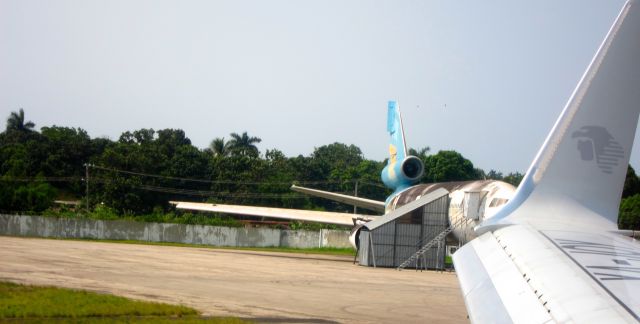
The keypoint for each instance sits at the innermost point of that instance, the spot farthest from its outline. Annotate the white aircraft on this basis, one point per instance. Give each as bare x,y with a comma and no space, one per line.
554,253
400,174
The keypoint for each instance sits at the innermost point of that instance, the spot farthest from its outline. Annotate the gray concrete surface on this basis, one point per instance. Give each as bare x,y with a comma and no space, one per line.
37,226
265,287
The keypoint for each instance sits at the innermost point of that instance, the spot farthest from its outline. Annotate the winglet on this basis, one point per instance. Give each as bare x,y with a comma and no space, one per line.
583,161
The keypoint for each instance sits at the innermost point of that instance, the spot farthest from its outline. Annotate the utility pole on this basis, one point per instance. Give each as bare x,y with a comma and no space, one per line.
86,180
355,208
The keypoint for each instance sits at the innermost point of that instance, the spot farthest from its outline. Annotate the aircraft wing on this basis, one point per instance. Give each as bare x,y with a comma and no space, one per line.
551,254
351,200
523,275
281,213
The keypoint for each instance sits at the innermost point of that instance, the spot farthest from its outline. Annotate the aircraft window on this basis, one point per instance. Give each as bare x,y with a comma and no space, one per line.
498,202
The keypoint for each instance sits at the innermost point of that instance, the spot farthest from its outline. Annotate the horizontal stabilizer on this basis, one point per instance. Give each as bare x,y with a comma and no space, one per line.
350,200
280,213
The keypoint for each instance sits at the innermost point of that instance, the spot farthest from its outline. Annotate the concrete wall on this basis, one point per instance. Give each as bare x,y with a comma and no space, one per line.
38,226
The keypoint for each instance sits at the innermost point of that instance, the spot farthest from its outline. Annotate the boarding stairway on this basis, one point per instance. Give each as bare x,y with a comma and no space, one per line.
440,237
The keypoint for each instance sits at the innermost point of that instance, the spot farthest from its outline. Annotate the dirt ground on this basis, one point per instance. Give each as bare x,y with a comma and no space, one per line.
262,286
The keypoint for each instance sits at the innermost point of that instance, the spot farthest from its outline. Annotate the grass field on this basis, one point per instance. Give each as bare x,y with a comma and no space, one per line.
33,304
322,250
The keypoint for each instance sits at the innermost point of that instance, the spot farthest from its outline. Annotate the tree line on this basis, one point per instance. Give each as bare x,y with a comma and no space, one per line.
144,169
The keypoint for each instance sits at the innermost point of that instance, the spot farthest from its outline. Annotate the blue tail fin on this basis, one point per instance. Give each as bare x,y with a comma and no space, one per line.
402,170
397,145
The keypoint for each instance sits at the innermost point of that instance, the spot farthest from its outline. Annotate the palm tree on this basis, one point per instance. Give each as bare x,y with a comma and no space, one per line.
218,147
244,145
16,122
421,153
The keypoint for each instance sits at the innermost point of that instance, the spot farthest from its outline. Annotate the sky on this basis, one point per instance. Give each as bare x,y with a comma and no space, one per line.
485,78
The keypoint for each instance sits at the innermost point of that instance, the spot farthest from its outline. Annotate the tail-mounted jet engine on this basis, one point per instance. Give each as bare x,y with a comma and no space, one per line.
354,236
398,176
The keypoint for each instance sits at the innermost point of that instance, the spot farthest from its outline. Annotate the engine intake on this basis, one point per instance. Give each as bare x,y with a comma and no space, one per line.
400,175
354,236
412,168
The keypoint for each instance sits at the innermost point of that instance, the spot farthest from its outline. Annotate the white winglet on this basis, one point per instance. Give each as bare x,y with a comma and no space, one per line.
551,254
584,159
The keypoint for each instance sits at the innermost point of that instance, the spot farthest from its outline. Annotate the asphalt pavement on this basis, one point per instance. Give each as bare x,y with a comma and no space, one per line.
262,286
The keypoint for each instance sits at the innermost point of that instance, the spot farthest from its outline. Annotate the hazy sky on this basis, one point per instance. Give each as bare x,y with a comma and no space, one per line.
485,78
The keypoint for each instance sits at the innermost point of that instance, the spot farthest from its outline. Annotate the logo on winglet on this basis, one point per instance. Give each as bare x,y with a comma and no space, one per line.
595,143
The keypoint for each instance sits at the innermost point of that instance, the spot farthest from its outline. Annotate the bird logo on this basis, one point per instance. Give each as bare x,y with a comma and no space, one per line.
595,143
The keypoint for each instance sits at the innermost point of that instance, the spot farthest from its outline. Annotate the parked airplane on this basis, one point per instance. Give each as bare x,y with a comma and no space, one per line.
554,253
400,174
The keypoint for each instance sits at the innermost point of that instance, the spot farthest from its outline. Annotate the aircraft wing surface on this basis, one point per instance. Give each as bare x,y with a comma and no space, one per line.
281,213
522,275
346,199
551,255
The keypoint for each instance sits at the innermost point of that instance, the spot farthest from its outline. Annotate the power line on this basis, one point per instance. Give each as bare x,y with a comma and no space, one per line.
151,175
40,179
182,191
205,193
230,181
373,184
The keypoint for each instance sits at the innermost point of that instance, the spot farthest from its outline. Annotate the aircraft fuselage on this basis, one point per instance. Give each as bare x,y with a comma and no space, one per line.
476,200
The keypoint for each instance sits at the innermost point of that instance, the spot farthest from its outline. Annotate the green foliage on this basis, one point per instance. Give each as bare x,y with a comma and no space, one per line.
494,175
315,250
420,153
163,165
219,148
34,304
448,261
338,154
314,226
19,196
513,178
103,212
629,217
244,145
448,166
631,183
67,149
23,302
318,250
16,122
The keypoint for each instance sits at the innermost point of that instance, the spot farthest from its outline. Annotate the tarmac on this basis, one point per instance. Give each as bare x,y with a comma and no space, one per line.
266,287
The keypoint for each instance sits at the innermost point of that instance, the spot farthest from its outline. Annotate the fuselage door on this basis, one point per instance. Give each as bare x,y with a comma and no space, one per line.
472,205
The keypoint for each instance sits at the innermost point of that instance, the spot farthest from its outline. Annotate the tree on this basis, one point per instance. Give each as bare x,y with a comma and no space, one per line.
421,153
631,183
494,175
144,136
244,145
34,196
479,174
169,140
448,166
188,162
16,122
64,150
218,147
629,217
513,178
338,155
